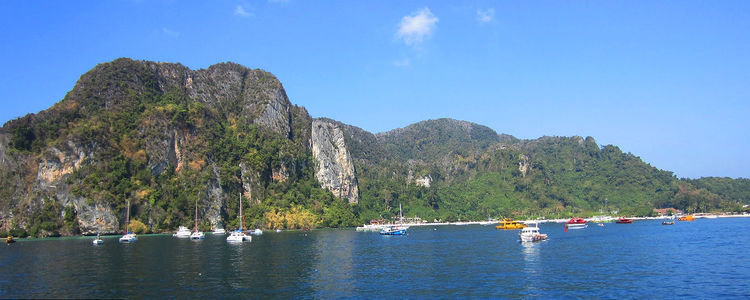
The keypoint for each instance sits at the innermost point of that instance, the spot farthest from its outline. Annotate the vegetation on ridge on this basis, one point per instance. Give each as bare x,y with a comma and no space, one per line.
120,113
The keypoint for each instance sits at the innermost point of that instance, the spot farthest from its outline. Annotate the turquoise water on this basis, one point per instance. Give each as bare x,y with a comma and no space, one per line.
706,258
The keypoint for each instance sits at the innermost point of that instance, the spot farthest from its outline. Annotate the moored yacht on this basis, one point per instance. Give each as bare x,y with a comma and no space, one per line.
182,232
531,233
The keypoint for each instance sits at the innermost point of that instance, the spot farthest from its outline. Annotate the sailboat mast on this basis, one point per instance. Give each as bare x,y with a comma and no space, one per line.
196,215
242,217
127,219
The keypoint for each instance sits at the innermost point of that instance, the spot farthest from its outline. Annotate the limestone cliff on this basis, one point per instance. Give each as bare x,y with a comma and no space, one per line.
335,169
128,125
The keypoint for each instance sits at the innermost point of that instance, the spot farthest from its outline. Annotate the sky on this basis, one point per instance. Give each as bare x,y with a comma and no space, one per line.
668,81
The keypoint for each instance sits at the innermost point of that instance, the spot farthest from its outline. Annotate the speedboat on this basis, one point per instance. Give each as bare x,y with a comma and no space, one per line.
623,220
256,232
237,236
510,224
182,232
97,241
531,234
576,223
393,230
219,231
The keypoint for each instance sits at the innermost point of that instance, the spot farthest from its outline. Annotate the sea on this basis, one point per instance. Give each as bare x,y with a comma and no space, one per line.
706,258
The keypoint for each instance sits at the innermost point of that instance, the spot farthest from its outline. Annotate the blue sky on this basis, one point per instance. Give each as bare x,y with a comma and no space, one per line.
668,81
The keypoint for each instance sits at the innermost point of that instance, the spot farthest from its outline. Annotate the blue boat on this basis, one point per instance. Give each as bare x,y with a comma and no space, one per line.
393,230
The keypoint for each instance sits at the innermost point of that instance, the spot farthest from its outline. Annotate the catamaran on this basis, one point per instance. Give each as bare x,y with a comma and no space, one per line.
128,237
238,235
196,235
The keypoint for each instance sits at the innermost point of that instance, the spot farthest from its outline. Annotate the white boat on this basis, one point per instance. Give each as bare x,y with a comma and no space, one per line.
575,223
531,233
128,237
602,219
97,240
238,235
278,230
182,232
371,227
219,231
196,235
256,232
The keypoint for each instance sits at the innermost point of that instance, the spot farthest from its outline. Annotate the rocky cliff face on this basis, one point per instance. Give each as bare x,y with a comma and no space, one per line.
335,169
163,116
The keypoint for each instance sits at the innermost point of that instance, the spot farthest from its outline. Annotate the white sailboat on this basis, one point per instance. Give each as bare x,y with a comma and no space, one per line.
238,235
128,237
97,240
196,235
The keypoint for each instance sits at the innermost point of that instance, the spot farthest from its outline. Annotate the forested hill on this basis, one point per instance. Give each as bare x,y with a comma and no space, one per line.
456,169
164,139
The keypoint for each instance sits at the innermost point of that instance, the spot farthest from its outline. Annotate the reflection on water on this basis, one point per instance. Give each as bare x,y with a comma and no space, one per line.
531,266
333,263
450,262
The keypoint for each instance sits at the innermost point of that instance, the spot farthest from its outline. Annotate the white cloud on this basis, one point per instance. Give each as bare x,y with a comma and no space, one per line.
485,16
170,32
416,28
402,63
240,11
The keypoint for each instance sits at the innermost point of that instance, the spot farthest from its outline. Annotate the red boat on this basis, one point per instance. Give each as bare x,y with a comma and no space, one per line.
575,223
624,221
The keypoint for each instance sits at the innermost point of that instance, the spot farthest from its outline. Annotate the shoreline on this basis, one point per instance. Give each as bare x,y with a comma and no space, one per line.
489,223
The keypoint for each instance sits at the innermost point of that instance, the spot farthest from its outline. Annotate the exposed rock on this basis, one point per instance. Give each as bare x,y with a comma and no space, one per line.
424,181
523,164
335,170
214,195
250,179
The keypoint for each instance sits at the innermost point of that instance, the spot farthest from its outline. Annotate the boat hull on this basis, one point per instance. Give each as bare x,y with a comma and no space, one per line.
394,232
533,238
128,238
576,225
